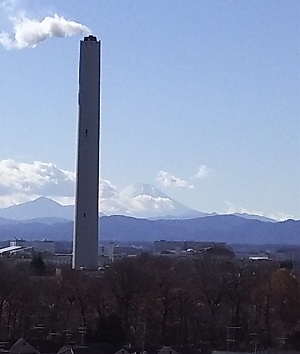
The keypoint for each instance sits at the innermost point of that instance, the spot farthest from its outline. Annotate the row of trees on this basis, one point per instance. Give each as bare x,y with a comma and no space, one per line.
156,301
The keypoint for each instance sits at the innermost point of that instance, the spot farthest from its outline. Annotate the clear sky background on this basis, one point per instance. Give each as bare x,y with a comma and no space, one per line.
199,98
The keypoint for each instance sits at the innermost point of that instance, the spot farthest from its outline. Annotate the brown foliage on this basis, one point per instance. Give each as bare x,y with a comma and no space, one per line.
154,301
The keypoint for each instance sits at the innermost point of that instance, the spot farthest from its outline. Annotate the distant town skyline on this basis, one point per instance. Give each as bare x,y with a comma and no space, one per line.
200,99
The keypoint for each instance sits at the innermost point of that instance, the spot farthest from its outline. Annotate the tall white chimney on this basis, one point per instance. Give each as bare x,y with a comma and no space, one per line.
85,238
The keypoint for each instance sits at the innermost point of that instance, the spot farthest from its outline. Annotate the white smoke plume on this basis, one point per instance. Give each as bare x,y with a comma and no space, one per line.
30,32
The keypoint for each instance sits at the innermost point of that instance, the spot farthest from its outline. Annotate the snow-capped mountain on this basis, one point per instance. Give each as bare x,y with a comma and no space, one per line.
138,200
146,201
135,190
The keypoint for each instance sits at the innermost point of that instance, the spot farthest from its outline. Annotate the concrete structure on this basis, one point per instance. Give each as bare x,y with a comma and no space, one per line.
39,246
85,241
10,249
178,246
60,259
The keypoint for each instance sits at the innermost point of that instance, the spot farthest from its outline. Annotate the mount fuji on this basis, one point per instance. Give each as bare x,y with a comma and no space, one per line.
145,201
138,200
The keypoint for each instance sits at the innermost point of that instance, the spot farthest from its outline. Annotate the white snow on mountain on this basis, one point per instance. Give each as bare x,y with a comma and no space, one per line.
41,189
141,200
26,182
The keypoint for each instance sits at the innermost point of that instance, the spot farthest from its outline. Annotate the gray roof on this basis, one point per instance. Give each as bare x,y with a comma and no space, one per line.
23,347
167,350
122,351
77,349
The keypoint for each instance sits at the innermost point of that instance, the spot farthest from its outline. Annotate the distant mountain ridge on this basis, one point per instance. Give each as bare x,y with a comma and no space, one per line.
145,201
254,217
39,208
44,218
227,228
138,200
224,228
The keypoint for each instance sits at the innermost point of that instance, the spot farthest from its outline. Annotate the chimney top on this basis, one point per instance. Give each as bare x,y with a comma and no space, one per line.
90,38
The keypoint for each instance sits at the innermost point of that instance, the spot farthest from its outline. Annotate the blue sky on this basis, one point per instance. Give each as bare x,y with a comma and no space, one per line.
186,85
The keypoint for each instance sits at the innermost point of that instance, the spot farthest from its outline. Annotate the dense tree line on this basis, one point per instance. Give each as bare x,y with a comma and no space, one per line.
153,301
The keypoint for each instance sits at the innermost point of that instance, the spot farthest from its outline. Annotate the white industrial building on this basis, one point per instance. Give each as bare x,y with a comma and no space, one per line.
38,246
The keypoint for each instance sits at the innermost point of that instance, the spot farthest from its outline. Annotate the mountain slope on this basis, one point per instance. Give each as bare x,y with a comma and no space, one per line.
4,221
253,216
226,228
38,208
150,202
139,200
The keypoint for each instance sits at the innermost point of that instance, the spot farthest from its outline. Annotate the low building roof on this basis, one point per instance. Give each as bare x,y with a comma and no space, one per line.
10,249
122,351
23,347
77,349
167,350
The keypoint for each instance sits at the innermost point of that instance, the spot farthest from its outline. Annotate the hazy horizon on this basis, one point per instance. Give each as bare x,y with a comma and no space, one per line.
199,99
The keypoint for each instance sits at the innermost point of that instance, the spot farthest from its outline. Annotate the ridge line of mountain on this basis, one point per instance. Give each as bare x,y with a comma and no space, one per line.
217,228
46,208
